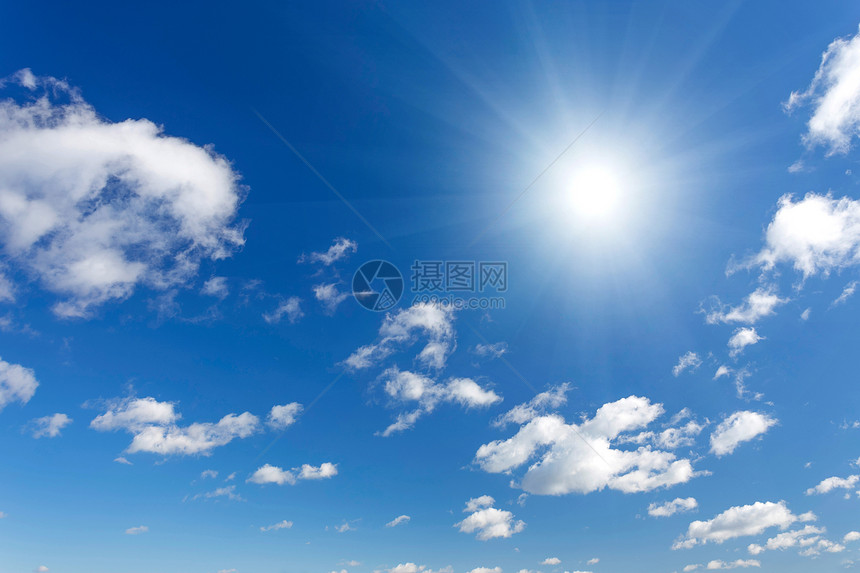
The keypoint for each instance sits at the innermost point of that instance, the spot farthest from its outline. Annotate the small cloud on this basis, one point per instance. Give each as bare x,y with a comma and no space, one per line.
49,426
206,474
341,248
136,530
551,561
41,569
398,520
689,361
122,460
291,308
280,525
496,350
217,287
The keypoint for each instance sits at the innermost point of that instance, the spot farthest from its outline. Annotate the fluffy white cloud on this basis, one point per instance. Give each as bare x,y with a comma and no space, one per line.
49,426
273,474
281,417
677,505
329,296
544,402
834,94
486,570
92,209
851,536
758,304
689,361
740,521
832,483
818,234
551,561
404,387
398,520
436,322
340,249
217,287
741,338
740,427
808,540
153,425
17,383
136,530
276,526
291,308
581,458
736,564
486,521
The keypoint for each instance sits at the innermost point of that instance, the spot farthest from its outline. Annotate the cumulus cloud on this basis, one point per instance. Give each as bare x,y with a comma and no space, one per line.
93,209
17,383
544,402
404,387
832,483
808,539
433,321
741,338
398,520
153,425
581,458
341,248
217,287
551,561
758,304
740,521
689,361
281,417
740,427
486,521
273,474
834,95
49,426
816,235
669,508
329,296
276,526
291,308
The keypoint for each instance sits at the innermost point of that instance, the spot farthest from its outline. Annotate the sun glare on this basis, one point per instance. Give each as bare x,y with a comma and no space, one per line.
595,192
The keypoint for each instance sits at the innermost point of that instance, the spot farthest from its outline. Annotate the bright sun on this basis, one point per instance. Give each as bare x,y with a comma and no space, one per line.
595,192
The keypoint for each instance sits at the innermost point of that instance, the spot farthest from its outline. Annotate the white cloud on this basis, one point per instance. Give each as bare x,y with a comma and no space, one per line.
808,540
736,564
551,561
677,505
689,361
153,425
329,296
740,521
835,97
741,338
41,569
93,209
273,474
593,561
49,426
398,520
740,427
486,521
818,234
17,383
207,474
281,417
805,314
851,536
403,387
228,491
722,371
847,293
340,249
122,460
495,350
276,526
486,570
580,458
136,530
832,483
217,287
758,304
291,308
432,320
544,402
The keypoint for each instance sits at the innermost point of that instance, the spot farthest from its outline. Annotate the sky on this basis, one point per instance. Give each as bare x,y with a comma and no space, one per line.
386,287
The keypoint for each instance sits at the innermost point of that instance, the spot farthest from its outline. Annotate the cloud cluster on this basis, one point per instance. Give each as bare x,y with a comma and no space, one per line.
581,458
273,474
835,97
669,508
93,209
808,540
740,521
404,387
488,522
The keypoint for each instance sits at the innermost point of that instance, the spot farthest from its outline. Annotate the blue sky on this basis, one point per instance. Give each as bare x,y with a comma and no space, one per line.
187,383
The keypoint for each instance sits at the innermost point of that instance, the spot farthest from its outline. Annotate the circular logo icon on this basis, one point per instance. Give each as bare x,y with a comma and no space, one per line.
377,285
